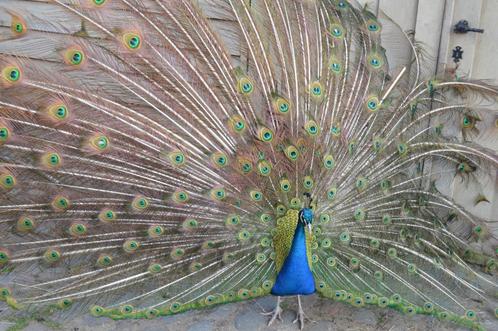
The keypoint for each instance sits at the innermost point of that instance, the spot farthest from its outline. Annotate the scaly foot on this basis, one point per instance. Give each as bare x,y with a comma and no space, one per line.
301,316
275,314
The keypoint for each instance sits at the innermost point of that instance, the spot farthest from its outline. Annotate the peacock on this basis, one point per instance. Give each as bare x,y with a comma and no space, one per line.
146,170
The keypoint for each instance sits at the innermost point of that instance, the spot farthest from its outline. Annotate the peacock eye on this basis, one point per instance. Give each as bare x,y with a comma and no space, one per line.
373,27
14,75
247,87
132,41
74,57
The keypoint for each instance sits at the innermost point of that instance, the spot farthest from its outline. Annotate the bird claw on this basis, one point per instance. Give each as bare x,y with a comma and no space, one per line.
276,314
301,316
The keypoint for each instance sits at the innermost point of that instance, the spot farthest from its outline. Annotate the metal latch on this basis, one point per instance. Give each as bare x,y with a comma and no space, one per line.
463,27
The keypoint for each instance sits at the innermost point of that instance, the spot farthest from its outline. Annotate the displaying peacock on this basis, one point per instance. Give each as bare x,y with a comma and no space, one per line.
144,171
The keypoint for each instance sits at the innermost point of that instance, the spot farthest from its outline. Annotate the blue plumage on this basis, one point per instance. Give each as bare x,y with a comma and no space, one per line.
295,277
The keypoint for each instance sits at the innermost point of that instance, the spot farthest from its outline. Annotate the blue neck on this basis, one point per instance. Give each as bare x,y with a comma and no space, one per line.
295,277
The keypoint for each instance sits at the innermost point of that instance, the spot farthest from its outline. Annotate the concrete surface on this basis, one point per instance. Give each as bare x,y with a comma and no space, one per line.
246,316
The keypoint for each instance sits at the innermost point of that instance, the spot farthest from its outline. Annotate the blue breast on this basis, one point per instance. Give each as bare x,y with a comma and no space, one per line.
295,277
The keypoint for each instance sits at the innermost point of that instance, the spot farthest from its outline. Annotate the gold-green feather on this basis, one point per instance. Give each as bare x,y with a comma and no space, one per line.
284,234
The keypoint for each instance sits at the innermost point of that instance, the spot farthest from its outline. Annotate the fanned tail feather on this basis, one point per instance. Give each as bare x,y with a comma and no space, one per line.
143,168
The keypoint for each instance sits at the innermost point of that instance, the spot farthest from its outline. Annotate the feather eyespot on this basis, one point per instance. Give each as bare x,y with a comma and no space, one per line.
375,61
312,128
51,160
281,105
244,165
107,215
256,195
237,124
18,26
324,218
58,112
359,214
373,26
74,56
337,31
386,219
308,182
316,90
328,162
177,158
281,210
155,231
11,74
377,144
219,159
352,147
465,168
99,3
232,221
104,260
292,153
78,229
295,203
372,104
335,65
374,243
332,193
52,255
266,218
403,149
64,303
175,307
97,311
4,134
265,135
261,258
264,168
131,246
341,4
140,203
335,130
99,143
218,194
267,285
25,224
245,85
181,197
132,41
361,184
469,122
285,185
61,203
7,181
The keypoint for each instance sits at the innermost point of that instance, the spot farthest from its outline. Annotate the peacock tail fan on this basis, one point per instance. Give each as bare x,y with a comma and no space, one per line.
144,169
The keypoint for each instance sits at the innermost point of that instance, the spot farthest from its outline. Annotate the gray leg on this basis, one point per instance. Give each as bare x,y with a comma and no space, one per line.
276,313
301,316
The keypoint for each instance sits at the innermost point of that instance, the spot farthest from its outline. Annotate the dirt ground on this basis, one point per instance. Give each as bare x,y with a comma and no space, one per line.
246,316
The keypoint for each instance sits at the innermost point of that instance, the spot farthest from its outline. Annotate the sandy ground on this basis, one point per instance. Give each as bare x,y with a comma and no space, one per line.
246,316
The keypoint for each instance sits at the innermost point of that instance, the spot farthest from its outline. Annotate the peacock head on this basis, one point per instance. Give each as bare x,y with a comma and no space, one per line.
306,213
